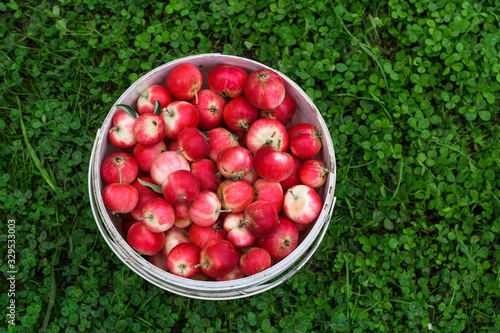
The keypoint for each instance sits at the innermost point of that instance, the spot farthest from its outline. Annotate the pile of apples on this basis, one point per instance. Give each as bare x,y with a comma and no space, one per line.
209,183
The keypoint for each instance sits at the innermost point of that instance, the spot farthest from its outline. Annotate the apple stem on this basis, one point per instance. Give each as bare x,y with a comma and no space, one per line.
243,222
120,175
225,211
145,217
279,145
170,113
201,263
195,97
182,197
114,129
245,125
293,195
180,152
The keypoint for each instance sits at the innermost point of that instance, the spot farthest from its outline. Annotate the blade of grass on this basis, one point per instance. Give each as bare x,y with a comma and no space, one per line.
400,177
51,302
32,153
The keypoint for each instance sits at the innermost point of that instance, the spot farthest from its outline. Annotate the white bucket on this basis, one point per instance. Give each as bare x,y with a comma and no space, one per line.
211,290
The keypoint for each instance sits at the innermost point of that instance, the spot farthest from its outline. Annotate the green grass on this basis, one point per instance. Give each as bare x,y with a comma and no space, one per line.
410,92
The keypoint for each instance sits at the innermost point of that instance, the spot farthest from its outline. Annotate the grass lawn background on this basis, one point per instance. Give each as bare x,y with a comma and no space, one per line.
409,90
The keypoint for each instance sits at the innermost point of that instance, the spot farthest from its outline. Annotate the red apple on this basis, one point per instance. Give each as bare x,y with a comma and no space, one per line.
270,192
205,209
305,141
313,173
145,155
227,80
302,204
184,82
145,194
251,177
283,113
200,235
166,163
218,258
149,129
183,260
193,144
126,222
267,132
236,273
159,260
293,179
234,162
144,240
158,215
210,107
147,99
177,116
180,187
262,218
273,165
173,237
220,139
207,173
264,89
235,195
282,241
120,198
119,167
237,232
121,135
182,219
255,260
239,115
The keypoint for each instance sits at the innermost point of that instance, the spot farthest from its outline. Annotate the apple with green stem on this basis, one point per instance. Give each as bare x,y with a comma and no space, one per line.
272,164
313,173
147,99
183,260
264,89
184,82
205,209
267,132
239,115
234,162
227,80
235,195
177,116
119,167
237,232
158,215
282,241
218,258
121,135
305,141
255,260
210,106
262,218
144,241
181,187
302,204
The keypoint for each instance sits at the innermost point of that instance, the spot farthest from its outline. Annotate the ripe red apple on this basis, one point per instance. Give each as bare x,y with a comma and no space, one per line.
283,113
313,173
239,115
205,209
182,260
262,218
302,204
237,232
293,179
207,173
173,237
282,241
149,129
144,240
218,258
182,219
236,273
159,260
147,99
272,165
199,236
121,135
267,132
251,177
166,163
184,82
120,198
158,215
180,187
193,144
210,107
227,80
179,115
234,162
264,89
119,167
235,195
305,141
270,192
145,194
146,154
255,260
219,139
